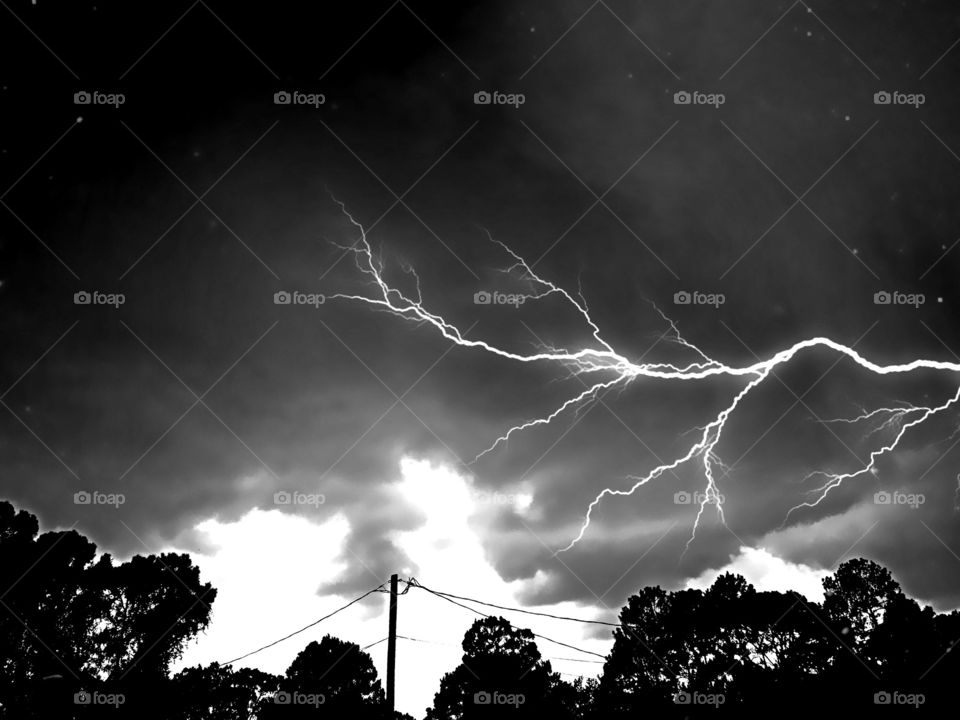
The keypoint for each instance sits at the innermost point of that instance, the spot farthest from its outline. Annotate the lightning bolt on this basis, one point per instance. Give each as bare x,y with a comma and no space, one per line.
897,421
892,418
615,369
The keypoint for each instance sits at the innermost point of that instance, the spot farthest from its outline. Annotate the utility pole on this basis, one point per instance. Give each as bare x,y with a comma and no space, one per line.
392,645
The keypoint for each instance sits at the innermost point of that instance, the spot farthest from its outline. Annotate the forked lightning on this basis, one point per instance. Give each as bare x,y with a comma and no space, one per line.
603,360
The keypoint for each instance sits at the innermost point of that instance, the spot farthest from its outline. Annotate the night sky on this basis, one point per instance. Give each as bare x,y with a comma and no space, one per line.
798,198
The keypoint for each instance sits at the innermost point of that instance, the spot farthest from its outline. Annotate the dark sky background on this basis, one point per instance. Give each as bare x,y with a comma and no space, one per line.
109,204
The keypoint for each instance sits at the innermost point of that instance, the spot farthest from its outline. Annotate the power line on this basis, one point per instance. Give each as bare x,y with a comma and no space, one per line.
451,598
452,645
405,590
306,627
520,610
428,642
415,583
573,675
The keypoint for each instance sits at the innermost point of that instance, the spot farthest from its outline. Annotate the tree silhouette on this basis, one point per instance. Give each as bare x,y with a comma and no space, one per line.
70,623
216,692
857,596
501,675
332,677
75,626
866,648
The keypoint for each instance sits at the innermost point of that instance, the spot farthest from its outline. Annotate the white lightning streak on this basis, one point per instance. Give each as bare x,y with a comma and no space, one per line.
895,416
604,358
590,392
836,479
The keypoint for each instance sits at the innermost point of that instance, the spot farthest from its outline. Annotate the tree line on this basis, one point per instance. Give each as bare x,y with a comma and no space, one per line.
82,636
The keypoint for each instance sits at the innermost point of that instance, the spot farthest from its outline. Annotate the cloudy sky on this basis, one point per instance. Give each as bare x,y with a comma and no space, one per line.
786,187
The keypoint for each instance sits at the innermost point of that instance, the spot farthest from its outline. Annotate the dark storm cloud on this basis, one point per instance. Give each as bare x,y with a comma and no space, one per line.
312,401
699,199
906,518
199,396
